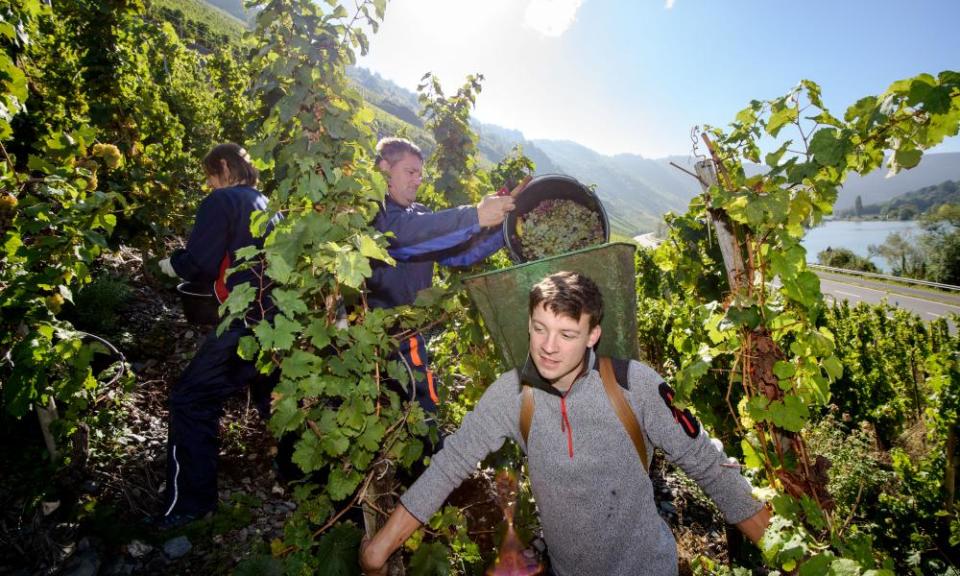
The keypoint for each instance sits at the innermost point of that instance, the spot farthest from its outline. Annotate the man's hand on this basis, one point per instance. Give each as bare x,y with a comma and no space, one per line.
167,268
371,564
493,209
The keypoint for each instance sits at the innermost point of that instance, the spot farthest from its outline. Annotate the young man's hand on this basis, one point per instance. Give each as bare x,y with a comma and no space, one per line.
371,563
493,209
376,551
755,526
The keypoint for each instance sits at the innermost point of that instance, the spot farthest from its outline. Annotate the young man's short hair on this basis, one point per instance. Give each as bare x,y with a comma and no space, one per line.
568,294
393,149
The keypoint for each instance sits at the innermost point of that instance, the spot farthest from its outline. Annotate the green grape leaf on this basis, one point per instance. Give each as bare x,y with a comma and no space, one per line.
772,159
241,296
844,567
278,269
748,318
412,451
289,302
300,363
804,288
286,415
352,268
827,146
259,219
907,158
308,454
339,548
351,415
280,336
833,366
247,348
780,118
319,333
259,565
372,434
429,296
335,443
817,565
790,413
784,370
369,248
430,559
935,99
801,171
342,483
813,513
751,459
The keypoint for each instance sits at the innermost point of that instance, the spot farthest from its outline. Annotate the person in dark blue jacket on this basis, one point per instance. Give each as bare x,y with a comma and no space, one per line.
216,372
457,236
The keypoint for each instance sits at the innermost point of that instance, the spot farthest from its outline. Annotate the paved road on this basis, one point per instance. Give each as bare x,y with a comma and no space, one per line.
927,304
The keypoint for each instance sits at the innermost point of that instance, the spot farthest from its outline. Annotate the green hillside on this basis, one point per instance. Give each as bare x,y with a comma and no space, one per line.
201,18
636,191
632,205
911,204
231,7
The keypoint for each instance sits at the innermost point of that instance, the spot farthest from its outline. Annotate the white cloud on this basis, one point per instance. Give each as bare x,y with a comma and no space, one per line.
669,4
551,17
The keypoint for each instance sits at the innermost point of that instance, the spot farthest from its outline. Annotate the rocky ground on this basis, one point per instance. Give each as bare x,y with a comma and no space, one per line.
91,522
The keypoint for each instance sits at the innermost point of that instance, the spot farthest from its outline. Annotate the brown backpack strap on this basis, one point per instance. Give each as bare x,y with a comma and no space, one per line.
526,412
621,407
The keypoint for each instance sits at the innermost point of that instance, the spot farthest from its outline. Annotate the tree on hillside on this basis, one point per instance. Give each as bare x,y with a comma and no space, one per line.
858,207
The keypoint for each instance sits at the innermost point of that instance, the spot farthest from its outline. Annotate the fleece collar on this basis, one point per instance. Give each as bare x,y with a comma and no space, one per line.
530,376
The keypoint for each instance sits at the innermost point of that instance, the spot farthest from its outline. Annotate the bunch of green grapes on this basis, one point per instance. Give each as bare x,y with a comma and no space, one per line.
558,226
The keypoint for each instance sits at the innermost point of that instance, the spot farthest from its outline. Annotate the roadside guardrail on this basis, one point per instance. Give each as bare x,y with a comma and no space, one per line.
900,279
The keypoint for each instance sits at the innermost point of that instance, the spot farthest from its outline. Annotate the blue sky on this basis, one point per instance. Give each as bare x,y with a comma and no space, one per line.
636,75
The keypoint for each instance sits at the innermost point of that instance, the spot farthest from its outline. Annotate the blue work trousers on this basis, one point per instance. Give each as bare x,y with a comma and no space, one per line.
196,403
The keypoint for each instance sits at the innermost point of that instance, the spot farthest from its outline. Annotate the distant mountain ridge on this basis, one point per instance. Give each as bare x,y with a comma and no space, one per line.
875,188
637,191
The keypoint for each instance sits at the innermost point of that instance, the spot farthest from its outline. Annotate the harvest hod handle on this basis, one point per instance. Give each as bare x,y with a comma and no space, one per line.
519,187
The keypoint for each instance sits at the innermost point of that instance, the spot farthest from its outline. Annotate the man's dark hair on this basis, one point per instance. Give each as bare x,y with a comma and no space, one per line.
568,294
393,149
238,164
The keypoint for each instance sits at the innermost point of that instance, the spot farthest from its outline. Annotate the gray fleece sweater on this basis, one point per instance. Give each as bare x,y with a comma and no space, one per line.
597,508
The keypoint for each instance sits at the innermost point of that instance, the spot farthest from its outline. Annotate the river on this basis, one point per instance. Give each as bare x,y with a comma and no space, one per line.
856,236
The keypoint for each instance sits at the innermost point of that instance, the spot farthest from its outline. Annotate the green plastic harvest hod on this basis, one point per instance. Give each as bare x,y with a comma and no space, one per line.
502,297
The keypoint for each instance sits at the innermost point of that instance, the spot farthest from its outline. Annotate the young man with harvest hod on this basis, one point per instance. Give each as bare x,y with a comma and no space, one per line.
458,236
593,493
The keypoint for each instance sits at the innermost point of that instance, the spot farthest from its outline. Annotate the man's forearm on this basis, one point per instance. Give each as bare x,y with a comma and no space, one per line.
754,526
399,527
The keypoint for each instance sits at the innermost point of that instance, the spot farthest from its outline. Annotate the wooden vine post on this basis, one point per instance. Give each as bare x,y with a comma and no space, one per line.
759,351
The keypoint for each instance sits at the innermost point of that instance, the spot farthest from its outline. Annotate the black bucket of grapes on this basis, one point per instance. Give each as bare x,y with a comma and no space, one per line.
555,214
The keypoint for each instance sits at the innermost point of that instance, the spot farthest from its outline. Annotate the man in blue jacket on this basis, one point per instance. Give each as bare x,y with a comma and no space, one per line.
221,228
457,236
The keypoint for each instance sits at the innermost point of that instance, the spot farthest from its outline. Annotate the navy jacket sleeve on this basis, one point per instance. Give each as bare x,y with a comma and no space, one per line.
200,261
420,232
478,248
